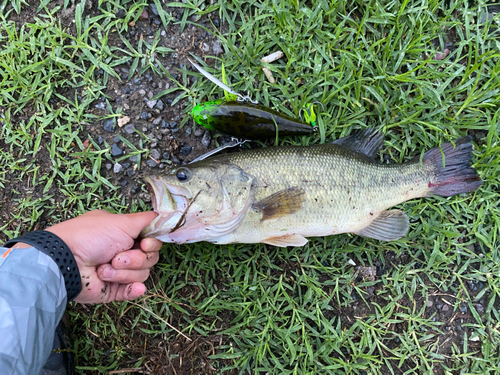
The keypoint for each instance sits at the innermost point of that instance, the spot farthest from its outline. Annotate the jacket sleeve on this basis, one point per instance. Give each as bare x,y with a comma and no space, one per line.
32,302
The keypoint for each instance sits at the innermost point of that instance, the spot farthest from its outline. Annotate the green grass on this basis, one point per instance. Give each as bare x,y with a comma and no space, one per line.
282,310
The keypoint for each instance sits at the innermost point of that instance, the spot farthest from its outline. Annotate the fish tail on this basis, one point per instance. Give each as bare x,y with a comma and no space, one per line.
452,172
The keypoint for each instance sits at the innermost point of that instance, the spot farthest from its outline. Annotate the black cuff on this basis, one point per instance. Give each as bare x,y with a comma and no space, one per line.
51,245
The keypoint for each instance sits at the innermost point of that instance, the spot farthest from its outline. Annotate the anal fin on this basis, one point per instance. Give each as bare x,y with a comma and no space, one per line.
388,226
288,240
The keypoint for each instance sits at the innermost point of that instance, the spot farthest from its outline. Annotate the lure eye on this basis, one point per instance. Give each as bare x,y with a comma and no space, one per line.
183,175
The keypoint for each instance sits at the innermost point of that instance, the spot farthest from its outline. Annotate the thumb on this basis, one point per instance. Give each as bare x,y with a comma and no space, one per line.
135,223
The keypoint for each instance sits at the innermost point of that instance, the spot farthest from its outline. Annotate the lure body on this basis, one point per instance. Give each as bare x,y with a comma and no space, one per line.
247,121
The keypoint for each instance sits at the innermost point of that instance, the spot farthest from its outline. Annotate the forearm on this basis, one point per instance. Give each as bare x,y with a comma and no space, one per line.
32,302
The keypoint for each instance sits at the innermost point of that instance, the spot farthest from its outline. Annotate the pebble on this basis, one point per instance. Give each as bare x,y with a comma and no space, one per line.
207,137
186,150
130,128
176,160
162,165
166,155
144,15
133,158
124,183
155,154
205,47
198,132
216,22
100,140
120,13
108,166
108,125
159,105
189,131
115,150
134,189
101,105
153,9
116,139
142,92
151,103
145,115
445,308
217,49
429,303
117,168
151,163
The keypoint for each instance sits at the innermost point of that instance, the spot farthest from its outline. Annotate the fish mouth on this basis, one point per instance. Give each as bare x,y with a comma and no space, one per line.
169,202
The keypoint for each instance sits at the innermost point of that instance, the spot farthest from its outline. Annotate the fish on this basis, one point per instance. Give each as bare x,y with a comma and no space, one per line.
282,195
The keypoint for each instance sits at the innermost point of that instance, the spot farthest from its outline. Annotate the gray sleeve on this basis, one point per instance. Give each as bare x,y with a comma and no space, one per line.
32,302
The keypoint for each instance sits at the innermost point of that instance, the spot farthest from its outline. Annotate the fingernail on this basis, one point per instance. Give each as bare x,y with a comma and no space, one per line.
108,273
123,260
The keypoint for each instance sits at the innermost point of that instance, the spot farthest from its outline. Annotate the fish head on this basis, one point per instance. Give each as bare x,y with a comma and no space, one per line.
198,202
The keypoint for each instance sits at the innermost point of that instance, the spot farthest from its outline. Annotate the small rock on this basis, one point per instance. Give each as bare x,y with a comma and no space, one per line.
144,15
120,13
133,158
145,115
216,48
116,139
100,140
101,105
186,150
429,303
115,150
176,160
159,105
151,163
198,132
155,154
117,168
124,183
216,22
153,9
164,34
123,121
130,128
445,308
166,155
205,48
134,189
151,103
162,165
142,92
156,121
189,131
108,166
207,137
108,125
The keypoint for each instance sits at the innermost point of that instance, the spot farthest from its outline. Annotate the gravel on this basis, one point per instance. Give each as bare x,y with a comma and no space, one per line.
159,105
130,128
117,168
216,48
207,137
186,150
155,154
151,103
115,150
108,125
145,115
151,163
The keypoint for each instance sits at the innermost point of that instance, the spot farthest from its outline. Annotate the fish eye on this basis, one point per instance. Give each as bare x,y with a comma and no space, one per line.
183,174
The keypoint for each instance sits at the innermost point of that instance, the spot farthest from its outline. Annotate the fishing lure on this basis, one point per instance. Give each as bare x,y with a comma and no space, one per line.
247,120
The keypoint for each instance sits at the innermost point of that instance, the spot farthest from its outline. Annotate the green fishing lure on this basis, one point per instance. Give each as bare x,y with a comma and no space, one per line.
246,120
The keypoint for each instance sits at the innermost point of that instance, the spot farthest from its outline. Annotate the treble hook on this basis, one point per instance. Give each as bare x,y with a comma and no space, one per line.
308,109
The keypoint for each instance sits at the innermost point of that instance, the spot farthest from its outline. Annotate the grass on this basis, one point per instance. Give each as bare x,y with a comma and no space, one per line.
254,308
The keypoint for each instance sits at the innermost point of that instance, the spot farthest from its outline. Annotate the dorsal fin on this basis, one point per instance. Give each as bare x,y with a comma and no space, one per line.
366,141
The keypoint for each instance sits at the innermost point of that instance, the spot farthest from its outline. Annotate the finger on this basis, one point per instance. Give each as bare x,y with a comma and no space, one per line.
128,292
107,273
150,244
138,221
134,260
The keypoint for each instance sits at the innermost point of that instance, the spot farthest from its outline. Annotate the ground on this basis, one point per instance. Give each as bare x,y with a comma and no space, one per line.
96,95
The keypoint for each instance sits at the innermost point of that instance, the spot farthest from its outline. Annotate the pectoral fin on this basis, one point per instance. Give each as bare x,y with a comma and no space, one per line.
284,241
284,202
388,226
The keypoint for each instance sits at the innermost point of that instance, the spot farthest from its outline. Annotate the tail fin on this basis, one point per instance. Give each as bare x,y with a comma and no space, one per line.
452,173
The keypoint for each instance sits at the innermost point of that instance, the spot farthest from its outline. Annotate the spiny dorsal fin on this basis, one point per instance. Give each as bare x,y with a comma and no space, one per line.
388,226
366,141
282,203
284,241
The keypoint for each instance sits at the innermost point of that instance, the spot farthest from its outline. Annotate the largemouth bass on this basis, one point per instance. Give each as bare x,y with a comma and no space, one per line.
281,195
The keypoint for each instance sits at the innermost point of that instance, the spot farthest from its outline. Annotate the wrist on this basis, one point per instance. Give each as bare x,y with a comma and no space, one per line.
53,246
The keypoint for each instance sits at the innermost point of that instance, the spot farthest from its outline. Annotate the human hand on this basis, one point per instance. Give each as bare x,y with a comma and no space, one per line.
112,265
